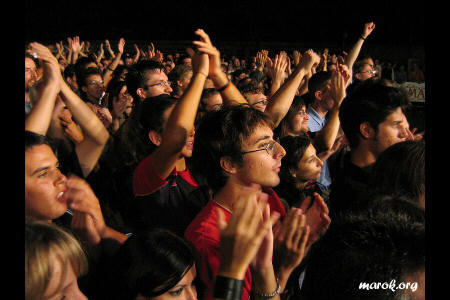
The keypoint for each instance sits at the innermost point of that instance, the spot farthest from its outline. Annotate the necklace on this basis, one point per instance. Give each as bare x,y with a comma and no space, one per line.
221,205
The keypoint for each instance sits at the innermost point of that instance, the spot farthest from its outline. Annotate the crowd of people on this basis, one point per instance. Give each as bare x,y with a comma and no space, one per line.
153,175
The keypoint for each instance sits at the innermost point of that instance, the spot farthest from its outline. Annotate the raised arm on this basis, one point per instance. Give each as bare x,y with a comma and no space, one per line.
40,117
325,138
354,52
230,94
276,71
280,102
107,76
181,121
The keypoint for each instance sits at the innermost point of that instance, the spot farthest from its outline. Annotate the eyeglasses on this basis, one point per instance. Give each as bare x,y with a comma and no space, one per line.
370,72
261,102
302,113
270,148
217,107
161,84
94,82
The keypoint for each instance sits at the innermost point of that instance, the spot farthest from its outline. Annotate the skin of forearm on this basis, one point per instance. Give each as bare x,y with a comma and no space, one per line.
265,282
353,54
326,137
84,116
231,95
39,119
282,99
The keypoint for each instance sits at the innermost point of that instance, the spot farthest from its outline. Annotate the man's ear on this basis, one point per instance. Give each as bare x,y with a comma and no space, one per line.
227,165
318,94
140,93
366,130
179,83
84,89
358,76
155,137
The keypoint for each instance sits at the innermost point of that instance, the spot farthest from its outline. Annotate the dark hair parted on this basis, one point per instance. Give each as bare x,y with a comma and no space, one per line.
149,263
371,102
220,134
400,170
295,147
377,245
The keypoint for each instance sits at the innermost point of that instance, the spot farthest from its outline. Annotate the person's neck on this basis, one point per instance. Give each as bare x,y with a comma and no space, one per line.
230,193
180,165
27,96
362,156
319,109
301,184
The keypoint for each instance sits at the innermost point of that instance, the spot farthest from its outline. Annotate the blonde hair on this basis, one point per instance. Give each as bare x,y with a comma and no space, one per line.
43,243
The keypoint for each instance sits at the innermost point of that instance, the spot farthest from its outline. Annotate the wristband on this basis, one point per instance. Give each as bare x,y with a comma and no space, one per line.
112,70
268,296
361,37
225,86
228,288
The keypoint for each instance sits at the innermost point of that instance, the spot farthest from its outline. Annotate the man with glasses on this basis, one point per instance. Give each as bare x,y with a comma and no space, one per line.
147,79
234,150
255,95
92,92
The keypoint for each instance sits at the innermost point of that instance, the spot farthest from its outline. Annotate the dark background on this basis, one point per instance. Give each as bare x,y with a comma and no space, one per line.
336,22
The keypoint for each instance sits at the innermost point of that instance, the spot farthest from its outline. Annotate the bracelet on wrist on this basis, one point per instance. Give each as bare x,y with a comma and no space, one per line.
225,86
271,295
363,38
227,288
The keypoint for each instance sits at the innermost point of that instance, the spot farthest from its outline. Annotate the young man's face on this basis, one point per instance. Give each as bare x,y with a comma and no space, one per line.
391,131
44,184
94,87
156,84
257,101
260,167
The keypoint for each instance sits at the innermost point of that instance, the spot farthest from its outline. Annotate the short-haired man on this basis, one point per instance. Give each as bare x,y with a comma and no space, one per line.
327,92
372,119
234,149
147,79
254,94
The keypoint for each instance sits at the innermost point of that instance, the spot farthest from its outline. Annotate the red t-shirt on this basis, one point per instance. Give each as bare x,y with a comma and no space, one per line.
204,234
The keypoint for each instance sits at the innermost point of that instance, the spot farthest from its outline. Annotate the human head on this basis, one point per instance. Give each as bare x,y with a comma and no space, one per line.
54,259
70,77
363,71
180,77
150,264
400,170
371,115
380,245
147,79
254,94
184,59
211,100
296,120
319,87
91,84
118,91
30,72
300,163
221,138
154,116
44,182
121,72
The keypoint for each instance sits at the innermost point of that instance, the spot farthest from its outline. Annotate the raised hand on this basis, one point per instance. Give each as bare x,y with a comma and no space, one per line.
205,46
297,57
337,88
76,46
316,217
121,45
71,130
52,73
368,28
